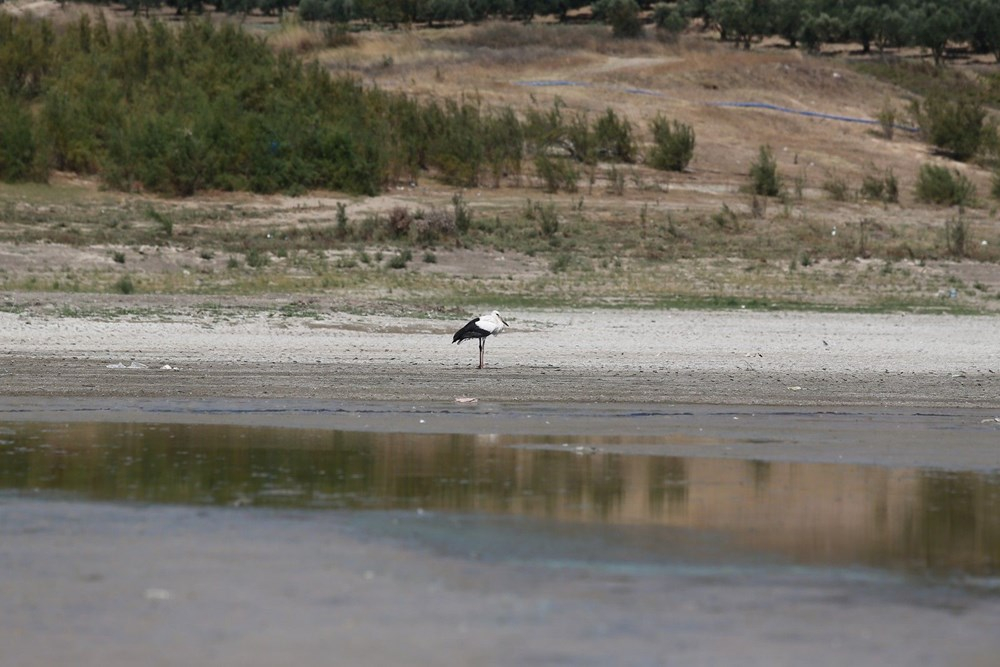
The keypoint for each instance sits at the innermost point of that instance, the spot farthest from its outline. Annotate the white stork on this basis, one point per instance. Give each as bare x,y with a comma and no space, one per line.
481,327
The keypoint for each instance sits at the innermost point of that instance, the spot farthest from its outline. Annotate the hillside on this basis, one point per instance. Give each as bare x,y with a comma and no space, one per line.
647,238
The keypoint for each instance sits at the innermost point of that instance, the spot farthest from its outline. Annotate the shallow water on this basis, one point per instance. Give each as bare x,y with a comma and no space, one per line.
552,499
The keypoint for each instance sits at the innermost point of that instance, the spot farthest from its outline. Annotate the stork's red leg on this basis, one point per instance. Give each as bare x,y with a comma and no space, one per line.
482,345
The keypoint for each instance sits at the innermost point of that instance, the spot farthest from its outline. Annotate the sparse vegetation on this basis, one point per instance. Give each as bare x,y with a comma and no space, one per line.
764,178
837,188
557,173
163,221
616,180
125,285
613,137
256,258
939,185
669,20
546,216
956,127
462,213
880,186
673,144
956,233
401,259
887,120
621,15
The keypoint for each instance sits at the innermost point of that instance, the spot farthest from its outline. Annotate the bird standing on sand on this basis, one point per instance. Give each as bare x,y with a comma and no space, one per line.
481,327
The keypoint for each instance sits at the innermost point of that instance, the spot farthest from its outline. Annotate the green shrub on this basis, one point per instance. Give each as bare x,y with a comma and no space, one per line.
462,215
545,215
880,187
557,173
580,140
669,20
256,259
560,262
820,28
673,144
124,285
400,259
616,180
891,193
940,185
955,127
457,148
503,144
180,110
613,138
19,154
543,128
764,178
621,15
887,120
956,235
371,228
163,220
726,219
837,188
342,221
26,54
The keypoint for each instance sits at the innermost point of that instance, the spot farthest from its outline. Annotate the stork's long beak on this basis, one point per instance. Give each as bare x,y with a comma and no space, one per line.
504,322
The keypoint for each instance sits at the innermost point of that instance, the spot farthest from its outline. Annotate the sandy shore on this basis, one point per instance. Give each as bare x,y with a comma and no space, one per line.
170,350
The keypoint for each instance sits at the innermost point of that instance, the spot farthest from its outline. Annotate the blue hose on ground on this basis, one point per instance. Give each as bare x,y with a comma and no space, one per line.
743,105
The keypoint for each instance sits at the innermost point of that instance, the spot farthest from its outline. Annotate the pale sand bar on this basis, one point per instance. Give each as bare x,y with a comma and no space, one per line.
665,357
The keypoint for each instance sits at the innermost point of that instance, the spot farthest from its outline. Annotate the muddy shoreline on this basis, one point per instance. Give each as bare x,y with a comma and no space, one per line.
59,377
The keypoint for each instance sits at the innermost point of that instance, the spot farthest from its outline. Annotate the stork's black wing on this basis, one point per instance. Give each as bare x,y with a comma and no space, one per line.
470,330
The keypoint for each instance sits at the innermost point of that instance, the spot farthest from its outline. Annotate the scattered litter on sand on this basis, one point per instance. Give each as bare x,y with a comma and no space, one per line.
135,365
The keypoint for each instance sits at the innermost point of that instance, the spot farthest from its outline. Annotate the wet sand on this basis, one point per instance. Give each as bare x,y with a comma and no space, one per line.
99,585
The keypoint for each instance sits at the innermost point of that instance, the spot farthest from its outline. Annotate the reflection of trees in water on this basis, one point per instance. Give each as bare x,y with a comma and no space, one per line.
958,515
811,512
760,472
671,493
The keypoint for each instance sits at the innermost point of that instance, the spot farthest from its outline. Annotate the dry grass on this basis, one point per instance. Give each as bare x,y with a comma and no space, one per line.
639,251
296,38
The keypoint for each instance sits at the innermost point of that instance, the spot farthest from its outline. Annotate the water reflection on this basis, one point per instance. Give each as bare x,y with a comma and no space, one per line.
905,519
